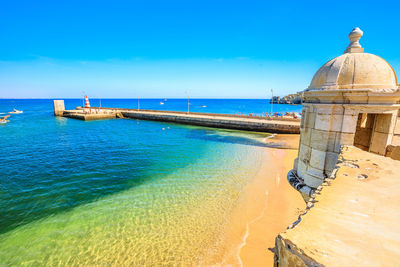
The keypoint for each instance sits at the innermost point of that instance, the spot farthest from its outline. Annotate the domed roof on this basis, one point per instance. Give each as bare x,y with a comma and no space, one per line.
355,70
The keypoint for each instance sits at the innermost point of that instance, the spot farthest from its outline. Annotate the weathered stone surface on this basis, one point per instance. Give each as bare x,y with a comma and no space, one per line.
328,122
295,163
383,123
396,140
311,180
351,111
330,109
317,159
378,143
305,136
301,168
305,153
322,140
288,254
323,122
343,139
311,119
353,221
397,127
59,107
393,152
355,71
331,160
349,124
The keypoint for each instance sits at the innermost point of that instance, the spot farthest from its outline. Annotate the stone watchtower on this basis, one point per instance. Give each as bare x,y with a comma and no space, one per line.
352,100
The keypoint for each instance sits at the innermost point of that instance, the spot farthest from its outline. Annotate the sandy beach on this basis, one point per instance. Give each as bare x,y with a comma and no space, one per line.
267,206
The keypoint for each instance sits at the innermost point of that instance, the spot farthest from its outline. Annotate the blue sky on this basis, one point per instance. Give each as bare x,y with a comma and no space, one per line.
216,49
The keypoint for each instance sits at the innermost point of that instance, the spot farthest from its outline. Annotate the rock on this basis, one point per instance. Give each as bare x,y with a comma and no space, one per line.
289,99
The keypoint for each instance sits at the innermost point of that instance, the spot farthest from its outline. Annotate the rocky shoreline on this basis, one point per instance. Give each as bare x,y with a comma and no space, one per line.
293,99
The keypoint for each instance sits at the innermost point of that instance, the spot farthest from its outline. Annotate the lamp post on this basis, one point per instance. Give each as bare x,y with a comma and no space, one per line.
188,103
83,99
272,100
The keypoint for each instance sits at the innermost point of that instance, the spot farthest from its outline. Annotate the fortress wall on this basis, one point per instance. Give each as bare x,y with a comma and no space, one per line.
352,219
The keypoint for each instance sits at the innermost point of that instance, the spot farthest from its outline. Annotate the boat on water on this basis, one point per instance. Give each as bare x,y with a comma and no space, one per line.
16,111
3,120
161,103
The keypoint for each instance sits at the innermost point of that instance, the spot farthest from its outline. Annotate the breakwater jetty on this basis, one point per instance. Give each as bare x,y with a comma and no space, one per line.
225,121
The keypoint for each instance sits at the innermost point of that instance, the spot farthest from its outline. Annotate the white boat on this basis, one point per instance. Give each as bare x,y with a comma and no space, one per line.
16,111
161,103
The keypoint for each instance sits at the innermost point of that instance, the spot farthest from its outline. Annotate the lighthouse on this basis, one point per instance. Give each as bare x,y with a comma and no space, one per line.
87,104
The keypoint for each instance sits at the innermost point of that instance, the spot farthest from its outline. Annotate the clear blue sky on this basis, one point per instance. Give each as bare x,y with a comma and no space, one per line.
233,49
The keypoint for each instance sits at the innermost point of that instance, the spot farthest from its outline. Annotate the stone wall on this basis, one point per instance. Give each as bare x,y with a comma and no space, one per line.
352,219
393,150
324,128
382,134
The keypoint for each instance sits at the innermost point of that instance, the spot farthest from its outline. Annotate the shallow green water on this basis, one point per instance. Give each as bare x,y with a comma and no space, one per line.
118,192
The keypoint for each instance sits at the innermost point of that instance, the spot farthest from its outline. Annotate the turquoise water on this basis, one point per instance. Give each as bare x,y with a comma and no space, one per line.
118,192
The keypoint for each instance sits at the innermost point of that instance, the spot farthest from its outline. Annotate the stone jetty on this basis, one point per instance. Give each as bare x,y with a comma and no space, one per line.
224,121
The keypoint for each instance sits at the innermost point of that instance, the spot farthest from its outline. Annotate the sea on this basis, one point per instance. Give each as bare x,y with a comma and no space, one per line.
122,192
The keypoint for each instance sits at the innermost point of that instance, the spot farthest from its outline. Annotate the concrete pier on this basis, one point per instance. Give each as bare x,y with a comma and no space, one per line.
59,107
225,121
88,116
259,124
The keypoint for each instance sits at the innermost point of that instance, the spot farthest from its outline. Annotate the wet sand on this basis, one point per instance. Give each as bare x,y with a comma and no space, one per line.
266,207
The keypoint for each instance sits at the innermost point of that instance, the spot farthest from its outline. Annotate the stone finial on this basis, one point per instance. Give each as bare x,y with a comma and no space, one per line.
354,46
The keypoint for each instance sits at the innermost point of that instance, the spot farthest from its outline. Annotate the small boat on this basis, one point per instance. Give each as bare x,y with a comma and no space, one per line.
204,106
16,111
4,120
161,103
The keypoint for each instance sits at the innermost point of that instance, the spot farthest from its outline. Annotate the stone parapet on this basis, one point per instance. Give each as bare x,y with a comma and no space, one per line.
326,127
351,220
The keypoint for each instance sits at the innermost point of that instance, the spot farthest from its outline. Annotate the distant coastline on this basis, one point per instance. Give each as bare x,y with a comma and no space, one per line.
292,99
